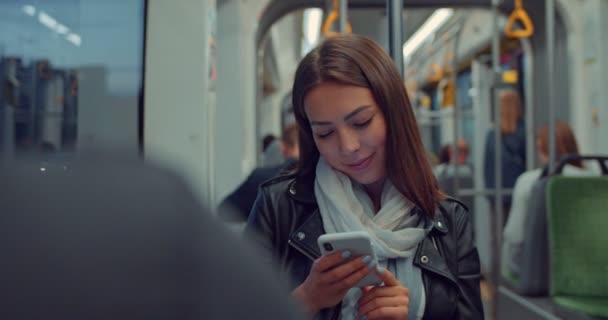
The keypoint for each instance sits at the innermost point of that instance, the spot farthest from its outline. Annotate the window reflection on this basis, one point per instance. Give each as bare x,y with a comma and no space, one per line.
40,105
70,75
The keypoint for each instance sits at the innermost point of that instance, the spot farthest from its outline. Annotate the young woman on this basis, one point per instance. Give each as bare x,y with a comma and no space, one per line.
363,168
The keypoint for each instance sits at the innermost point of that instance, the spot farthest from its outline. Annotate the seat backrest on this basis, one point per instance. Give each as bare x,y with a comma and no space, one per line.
530,263
578,233
533,259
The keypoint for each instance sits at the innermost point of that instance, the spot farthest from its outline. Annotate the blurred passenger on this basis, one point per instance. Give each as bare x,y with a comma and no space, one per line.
463,151
237,205
444,154
455,174
565,143
267,140
513,148
271,151
446,168
116,239
363,168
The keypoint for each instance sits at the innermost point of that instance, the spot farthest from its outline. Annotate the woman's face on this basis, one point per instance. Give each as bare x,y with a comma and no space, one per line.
349,130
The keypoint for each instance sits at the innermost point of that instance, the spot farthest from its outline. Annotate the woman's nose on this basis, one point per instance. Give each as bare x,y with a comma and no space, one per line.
349,142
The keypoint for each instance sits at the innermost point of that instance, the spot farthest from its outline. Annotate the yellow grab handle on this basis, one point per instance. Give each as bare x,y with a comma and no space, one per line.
436,73
519,14
447,65
333,16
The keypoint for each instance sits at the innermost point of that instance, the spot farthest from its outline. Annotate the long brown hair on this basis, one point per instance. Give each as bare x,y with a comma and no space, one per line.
358,61
510,111
565,142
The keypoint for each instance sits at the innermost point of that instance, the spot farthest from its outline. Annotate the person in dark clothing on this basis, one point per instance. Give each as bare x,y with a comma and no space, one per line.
237,205
114,238
445,154
267,140
513,147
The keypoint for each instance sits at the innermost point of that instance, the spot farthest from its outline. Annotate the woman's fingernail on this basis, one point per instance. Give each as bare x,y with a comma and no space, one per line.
380,269
366,259
345,254
371,264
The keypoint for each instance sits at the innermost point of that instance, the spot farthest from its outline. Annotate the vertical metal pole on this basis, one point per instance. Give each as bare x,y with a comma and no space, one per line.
259,93
456,107
395,31
529,98
342,16
550,20
497,217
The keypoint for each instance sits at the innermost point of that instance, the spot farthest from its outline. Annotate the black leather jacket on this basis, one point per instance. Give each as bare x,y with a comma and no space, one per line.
286,222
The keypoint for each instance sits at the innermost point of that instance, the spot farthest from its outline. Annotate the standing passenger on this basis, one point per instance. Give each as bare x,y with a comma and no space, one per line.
237,205
363,168
513,148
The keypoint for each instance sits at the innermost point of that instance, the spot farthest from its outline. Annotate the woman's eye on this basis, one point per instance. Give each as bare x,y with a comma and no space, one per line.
363,124
324,135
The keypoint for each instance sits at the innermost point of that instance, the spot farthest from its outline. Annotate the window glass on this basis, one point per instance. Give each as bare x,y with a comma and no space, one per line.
70,75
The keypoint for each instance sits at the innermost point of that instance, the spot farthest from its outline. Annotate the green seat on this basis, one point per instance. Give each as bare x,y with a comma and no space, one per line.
577,211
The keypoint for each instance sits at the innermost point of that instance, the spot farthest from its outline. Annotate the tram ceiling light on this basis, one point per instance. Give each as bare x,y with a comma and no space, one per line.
432,24
313,24
312,28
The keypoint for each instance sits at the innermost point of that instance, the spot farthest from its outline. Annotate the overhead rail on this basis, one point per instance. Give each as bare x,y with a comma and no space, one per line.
519,14
277,9
337,13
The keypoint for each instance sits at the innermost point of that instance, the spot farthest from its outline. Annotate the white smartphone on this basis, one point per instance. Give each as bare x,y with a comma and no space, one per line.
358,243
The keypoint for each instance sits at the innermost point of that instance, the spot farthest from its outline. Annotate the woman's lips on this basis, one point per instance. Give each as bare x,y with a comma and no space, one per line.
361,164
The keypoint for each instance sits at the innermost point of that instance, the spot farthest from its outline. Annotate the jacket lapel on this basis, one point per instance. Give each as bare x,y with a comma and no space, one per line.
304,238
428,257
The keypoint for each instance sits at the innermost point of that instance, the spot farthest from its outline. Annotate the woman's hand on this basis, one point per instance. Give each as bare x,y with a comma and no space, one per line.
387,302
329,280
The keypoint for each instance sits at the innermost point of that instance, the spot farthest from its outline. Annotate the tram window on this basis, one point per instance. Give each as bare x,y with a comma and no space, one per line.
70,75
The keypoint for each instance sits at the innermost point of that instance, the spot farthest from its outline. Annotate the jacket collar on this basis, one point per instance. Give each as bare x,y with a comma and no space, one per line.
303,191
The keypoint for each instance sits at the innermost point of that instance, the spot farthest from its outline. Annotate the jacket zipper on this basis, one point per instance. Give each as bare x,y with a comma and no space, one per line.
302,251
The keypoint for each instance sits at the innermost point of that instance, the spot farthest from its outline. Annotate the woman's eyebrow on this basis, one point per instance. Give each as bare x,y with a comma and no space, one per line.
348,116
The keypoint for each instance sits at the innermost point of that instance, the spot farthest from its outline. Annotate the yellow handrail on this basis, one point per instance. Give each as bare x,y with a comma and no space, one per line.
447,63
519,14
436,73
331,18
